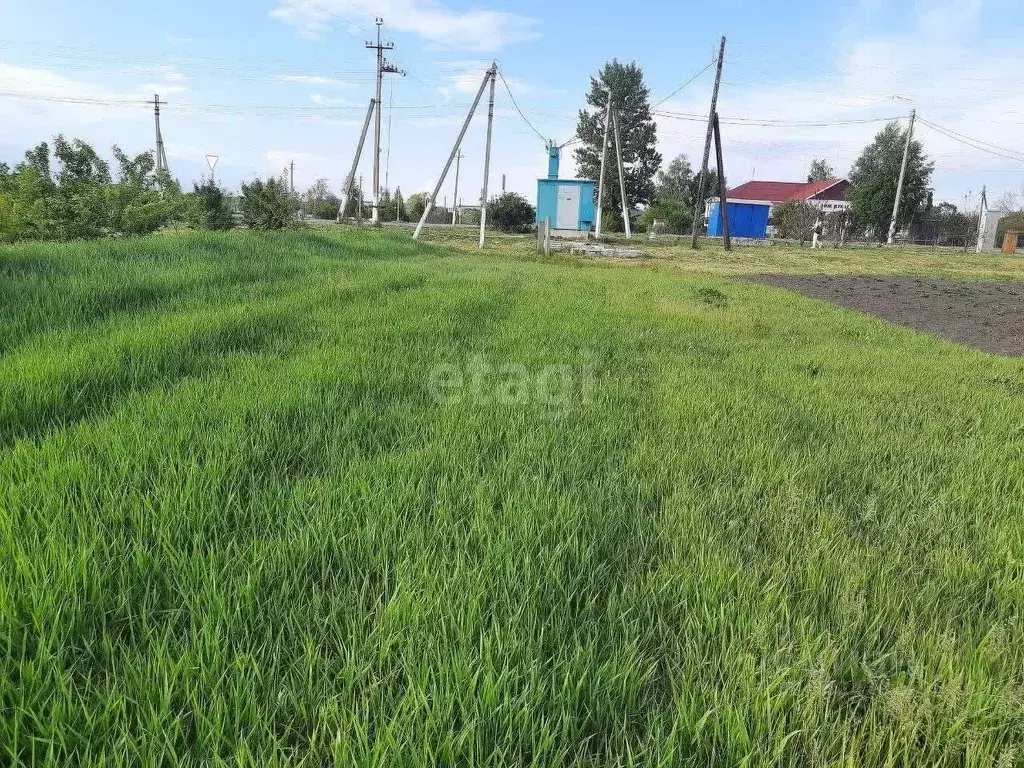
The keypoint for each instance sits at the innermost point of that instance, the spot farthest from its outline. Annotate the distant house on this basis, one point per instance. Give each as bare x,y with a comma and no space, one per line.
750,205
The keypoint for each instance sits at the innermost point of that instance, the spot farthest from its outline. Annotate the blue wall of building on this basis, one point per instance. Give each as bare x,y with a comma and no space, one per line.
547,201
745,220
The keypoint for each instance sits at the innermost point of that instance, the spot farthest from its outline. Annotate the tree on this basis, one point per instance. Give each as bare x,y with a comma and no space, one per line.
672,206
794,219
79,206
210,207
267,204
135,204
675,180
821,170
416,204
875,175
640,158
511,212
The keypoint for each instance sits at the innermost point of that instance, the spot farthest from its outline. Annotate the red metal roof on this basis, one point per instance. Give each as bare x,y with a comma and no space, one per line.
779,191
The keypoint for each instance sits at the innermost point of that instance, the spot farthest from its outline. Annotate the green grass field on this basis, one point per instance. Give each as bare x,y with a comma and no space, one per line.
335,498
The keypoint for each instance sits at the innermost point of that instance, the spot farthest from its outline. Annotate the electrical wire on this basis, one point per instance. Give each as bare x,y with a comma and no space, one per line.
514,104
677,90
982,146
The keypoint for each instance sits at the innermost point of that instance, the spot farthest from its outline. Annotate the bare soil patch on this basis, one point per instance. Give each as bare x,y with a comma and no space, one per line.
984,315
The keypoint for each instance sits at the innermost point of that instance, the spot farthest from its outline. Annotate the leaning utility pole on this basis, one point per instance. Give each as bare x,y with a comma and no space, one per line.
487,154
455,198
161,156
899,184
382,66
622,173
698,214
489,76
604,154
351,178
723,203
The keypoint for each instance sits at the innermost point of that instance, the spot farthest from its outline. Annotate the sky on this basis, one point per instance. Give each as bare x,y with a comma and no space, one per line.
262,83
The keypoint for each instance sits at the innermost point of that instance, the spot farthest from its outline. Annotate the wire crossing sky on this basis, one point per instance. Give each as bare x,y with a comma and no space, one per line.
262,84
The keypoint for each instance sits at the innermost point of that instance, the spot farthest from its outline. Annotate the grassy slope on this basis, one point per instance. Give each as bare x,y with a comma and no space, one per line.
237,526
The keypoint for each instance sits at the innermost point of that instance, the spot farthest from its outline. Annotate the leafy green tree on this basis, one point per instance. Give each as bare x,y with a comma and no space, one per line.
672,206
416,204
637,133
79,206
794,219
875,175
821,170
267,204
210,207
140,202
511,212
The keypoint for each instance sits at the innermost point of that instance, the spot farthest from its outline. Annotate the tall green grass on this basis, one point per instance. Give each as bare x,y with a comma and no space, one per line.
238,527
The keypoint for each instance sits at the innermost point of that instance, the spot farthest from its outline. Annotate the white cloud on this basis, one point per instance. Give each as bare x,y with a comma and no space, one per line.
310,80
961,82
164,89
473,29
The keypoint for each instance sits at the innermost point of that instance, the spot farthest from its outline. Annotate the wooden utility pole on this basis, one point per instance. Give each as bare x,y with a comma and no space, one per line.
698,213
604,154
723,205
899,184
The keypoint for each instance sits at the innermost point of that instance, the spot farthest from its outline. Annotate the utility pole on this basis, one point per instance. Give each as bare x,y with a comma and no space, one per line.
723,204
604,154
346,192
903,173
622,174
398,204
291,178
455,198
488,76
359,203
503,183
487,153
698,214
161,156
382,66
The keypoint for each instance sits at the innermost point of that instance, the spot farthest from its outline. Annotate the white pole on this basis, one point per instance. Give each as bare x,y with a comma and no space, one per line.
622,174
346,192
899,184
487,155
465,125
604,154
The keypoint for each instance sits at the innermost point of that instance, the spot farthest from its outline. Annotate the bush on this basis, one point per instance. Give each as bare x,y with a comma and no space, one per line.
673,214
267,205
794,220
80,200
511,212
210,207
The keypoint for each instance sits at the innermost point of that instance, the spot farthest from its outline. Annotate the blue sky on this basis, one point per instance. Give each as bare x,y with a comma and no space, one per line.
264,82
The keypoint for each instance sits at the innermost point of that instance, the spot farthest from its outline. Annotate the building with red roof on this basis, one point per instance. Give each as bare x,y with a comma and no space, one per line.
750,205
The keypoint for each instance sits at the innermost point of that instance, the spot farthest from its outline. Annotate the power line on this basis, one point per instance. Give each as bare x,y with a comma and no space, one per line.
677,90
981,146
514,104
